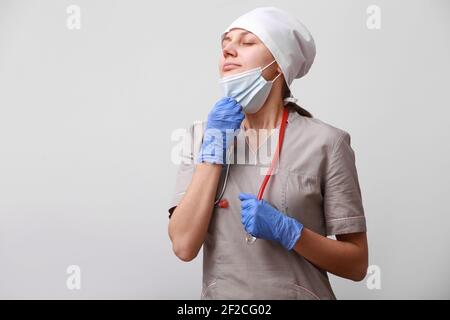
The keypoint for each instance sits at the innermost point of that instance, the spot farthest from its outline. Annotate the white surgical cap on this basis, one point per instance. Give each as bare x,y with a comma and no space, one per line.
285,36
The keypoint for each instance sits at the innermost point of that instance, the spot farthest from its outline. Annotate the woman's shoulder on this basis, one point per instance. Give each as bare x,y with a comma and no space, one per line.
319,130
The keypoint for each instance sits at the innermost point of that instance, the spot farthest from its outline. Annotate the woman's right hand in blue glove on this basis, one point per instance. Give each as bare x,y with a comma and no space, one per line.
223,121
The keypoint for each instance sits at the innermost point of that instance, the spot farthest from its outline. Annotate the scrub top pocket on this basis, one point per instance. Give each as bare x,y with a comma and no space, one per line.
303,200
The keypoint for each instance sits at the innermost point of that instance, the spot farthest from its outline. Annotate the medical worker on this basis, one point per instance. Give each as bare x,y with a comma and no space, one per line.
313,193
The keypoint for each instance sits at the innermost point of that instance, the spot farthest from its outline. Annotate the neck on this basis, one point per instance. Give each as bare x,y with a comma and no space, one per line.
268,117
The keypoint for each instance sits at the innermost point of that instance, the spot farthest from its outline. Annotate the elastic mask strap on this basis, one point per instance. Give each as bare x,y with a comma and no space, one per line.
268,65
276,77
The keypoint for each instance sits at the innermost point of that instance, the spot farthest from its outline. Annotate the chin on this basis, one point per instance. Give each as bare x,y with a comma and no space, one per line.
232,71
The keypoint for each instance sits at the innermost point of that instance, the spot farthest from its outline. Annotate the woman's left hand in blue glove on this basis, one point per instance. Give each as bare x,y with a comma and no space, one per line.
261,220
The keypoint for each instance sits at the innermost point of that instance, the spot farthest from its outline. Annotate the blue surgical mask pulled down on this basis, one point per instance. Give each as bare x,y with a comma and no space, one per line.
249,88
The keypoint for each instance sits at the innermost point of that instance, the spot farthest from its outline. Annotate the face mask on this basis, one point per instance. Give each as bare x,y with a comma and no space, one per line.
249,88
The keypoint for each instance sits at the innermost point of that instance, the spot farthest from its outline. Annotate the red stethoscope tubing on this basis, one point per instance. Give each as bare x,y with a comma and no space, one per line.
277,154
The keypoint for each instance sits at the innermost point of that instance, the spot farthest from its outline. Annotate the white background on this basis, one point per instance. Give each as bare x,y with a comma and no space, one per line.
86,118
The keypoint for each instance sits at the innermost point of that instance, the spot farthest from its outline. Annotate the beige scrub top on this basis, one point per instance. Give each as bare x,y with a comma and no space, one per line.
316,182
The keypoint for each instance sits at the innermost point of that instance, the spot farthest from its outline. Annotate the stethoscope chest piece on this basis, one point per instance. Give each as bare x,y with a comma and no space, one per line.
223,203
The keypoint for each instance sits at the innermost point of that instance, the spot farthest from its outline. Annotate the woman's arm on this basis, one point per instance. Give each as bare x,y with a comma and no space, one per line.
346,257
190,219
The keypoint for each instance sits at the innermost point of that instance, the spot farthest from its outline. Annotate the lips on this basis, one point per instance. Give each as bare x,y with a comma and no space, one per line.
230,66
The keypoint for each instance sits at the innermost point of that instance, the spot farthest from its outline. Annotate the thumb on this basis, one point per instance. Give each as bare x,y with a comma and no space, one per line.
246,196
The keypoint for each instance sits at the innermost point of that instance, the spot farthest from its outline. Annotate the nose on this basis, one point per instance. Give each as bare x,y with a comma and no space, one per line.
229,50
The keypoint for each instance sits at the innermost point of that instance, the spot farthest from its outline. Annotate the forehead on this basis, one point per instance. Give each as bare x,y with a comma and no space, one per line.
237,32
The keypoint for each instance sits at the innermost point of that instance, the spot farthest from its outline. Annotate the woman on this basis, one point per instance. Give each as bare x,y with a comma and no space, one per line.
314,192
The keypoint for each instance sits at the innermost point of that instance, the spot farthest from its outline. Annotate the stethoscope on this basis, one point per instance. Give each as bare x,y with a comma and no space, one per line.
223,203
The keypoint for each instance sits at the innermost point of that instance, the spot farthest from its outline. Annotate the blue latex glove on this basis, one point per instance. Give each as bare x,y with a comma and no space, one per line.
223,121
261,220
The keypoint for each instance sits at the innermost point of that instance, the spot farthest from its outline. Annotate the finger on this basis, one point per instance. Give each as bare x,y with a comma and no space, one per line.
237,108
246,196
246,218
250,229
232,100
247,204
